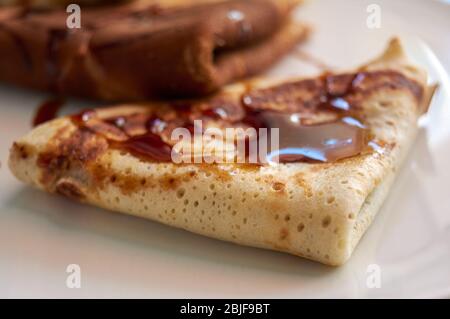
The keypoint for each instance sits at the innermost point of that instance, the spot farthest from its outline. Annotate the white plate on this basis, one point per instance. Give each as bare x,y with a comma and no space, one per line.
122,256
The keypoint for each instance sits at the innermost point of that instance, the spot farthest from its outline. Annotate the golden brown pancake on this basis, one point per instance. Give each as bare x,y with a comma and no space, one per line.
361,122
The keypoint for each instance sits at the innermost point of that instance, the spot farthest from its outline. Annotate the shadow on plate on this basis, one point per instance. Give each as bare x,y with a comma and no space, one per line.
152,236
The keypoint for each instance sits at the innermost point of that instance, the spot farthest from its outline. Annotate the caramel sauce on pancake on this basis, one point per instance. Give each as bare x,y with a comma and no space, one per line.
47,111
324,142
319,119
148,145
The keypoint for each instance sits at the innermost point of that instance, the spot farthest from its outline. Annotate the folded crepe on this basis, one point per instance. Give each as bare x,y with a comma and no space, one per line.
53,3
144,49
60,3
343,138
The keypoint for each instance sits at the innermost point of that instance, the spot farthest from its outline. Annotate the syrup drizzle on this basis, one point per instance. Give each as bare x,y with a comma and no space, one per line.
149,146
322,125
326,142
47,111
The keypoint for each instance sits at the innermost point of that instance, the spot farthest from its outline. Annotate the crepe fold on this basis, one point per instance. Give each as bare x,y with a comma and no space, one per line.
310,209
145,49
57,3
